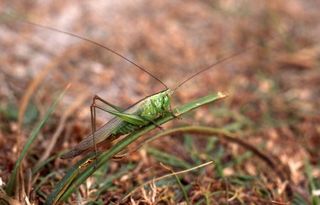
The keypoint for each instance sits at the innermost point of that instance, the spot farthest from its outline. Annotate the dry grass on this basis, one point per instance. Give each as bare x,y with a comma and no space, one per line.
273,100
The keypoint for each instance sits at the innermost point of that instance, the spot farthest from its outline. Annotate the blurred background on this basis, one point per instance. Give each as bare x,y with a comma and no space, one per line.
273,89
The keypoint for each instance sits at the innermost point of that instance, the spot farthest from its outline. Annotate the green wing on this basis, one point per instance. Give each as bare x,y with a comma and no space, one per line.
130,118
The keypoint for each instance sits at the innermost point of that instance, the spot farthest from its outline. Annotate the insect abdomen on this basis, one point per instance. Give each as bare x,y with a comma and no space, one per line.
125,128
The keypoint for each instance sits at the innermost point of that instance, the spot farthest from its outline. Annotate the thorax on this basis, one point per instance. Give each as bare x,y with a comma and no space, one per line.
155,106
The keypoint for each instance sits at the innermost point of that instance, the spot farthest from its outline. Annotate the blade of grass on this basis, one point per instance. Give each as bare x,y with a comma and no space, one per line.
168,158
107,183
185,195
5,199
67,180
38,167
299,200
13,177
191,149
67,113
29,92
279,170
312,184
166,176
222,134
61,194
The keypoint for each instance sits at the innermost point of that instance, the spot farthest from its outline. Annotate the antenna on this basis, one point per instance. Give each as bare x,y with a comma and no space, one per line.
238,53
95,43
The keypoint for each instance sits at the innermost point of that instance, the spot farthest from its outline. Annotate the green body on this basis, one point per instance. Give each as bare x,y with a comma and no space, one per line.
148,109
143,113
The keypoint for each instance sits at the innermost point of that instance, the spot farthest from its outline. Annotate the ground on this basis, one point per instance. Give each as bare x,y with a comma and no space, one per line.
272,104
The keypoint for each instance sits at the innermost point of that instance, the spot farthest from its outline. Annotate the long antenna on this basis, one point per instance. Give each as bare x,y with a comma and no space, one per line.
238,53
95,43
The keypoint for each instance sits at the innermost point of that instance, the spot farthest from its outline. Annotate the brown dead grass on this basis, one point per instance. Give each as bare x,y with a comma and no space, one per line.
273,90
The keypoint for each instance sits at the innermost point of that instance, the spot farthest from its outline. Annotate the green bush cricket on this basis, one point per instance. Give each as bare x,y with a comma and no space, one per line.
140,114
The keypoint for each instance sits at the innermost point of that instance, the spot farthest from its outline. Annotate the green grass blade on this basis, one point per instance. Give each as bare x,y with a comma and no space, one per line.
66,181
312,183
107,183
61,193
222,134
13,177
168,159
183,190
